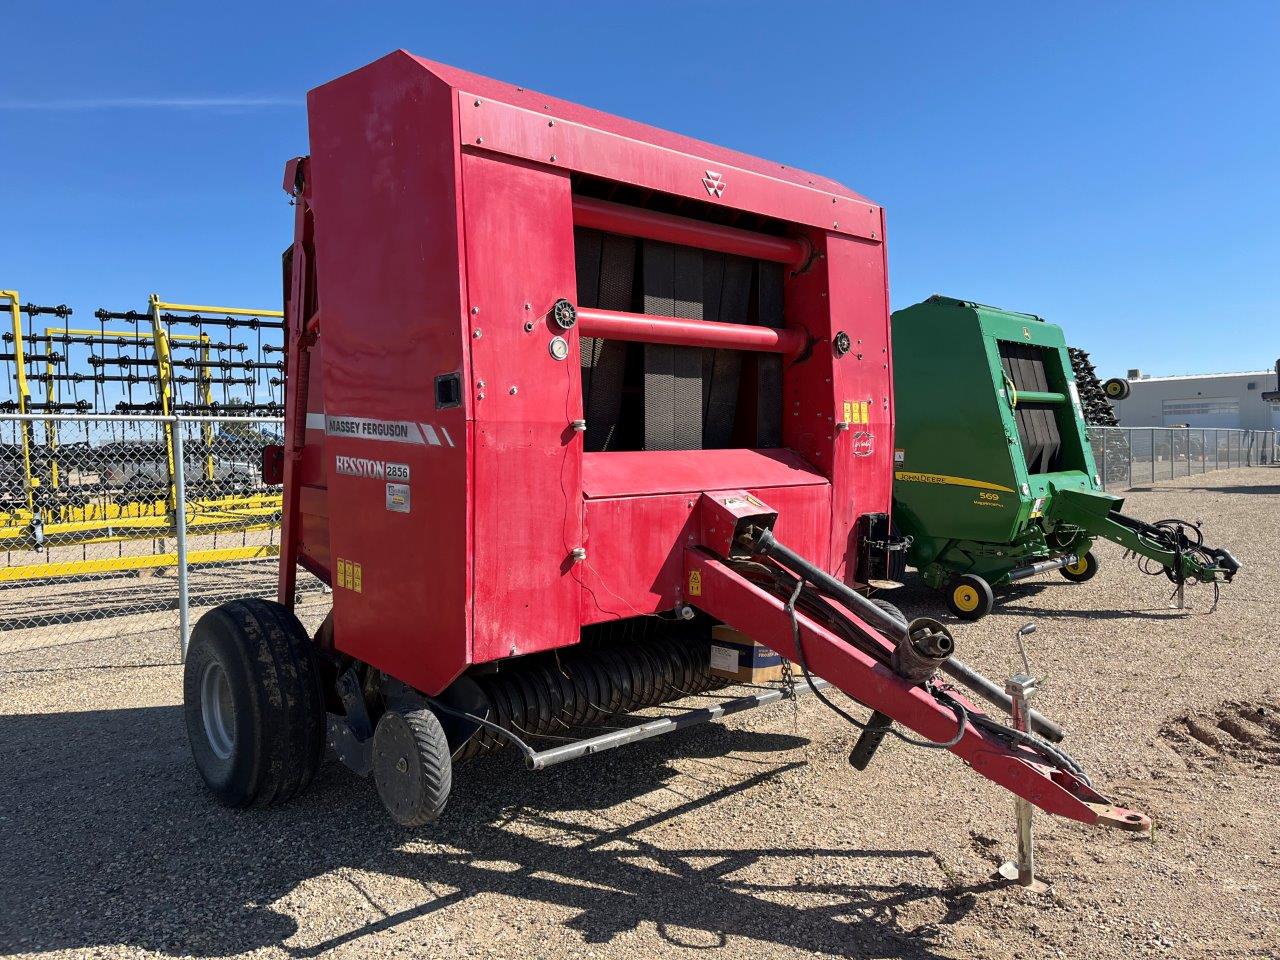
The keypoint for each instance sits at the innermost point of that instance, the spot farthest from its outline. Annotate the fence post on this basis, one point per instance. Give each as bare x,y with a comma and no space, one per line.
1153,456
1105,437
180,531
1128,440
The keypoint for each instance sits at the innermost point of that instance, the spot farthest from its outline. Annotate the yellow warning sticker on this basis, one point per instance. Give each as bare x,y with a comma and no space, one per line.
865,409
350,576
695,583
848,411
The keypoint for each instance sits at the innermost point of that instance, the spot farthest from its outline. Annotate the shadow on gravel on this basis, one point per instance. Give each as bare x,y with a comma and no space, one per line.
111,840
917,600
1258,488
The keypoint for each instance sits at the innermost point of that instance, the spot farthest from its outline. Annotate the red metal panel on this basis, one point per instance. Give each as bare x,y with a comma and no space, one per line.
836,409
384,183
635,545
496,481
535,101
634,473
860,305
543,137
651,225
528,504
650,328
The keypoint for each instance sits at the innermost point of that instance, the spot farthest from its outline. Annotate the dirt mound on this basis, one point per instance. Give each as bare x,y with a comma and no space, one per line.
1241,730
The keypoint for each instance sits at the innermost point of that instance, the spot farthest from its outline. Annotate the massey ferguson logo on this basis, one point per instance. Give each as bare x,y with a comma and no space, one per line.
714,183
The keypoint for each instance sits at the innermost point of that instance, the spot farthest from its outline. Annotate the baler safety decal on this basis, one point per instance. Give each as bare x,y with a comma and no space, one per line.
350,575
952,481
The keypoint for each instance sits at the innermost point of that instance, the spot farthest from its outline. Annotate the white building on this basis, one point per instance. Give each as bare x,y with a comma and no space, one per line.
1208,400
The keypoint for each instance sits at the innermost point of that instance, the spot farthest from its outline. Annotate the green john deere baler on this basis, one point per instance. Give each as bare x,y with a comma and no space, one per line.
995,479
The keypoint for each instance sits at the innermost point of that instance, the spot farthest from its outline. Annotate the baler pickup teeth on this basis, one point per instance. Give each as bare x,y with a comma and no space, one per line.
1026,766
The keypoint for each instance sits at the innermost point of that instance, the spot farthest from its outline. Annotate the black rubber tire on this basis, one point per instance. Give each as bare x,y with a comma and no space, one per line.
1089,567
412,766
969,597
1116,389
273,698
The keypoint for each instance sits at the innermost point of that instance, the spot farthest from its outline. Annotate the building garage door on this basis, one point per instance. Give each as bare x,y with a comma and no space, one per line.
1202,412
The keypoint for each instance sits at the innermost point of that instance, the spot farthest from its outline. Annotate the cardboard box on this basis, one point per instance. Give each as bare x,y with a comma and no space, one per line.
735,656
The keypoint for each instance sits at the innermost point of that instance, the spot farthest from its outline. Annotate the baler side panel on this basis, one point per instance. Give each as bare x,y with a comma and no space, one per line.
958,477
528,459
860,457
636,565
313,543
385,187
492,125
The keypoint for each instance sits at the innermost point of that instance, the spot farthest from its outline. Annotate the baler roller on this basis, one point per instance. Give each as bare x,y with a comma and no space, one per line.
667,228
587,687
650,328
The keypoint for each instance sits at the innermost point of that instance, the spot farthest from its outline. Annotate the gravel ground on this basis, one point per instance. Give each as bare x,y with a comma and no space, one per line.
749,838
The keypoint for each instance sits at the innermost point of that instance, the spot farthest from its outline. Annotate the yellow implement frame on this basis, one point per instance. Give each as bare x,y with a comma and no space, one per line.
102,522
20,375
150,561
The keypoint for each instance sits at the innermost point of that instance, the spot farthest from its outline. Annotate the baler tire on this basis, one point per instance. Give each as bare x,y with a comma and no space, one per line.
251,668
1084,569
412,766
969,597
1116,389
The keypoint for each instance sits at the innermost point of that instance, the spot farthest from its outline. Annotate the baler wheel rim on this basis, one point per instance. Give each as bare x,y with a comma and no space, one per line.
217,711
412,768
969,597
1083,569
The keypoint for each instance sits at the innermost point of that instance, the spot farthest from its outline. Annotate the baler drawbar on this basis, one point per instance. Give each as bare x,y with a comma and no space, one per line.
567,398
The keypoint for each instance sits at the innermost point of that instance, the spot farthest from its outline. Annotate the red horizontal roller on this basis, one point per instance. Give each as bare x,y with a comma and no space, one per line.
650,225
646,328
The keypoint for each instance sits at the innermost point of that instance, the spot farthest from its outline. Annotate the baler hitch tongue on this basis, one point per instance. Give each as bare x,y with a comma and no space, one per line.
1225,562
785,602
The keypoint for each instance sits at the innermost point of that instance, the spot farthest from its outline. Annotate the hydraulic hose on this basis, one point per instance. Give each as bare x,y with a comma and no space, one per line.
764,542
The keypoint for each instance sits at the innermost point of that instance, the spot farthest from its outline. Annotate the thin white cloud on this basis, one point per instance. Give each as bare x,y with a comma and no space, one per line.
154,103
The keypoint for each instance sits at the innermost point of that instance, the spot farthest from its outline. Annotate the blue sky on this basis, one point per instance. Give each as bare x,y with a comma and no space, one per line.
1114,168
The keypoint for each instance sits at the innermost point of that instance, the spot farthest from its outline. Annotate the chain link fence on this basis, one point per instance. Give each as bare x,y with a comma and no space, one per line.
93,536
98,512
1130,456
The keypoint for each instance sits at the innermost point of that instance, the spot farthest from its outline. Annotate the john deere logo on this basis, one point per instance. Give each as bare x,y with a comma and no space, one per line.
714,183
1026,333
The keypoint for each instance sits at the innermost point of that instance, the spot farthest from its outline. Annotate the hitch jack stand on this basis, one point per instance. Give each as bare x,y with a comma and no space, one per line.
1021,687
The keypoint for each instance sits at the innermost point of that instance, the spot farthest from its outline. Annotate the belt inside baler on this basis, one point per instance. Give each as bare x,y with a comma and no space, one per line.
669,394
